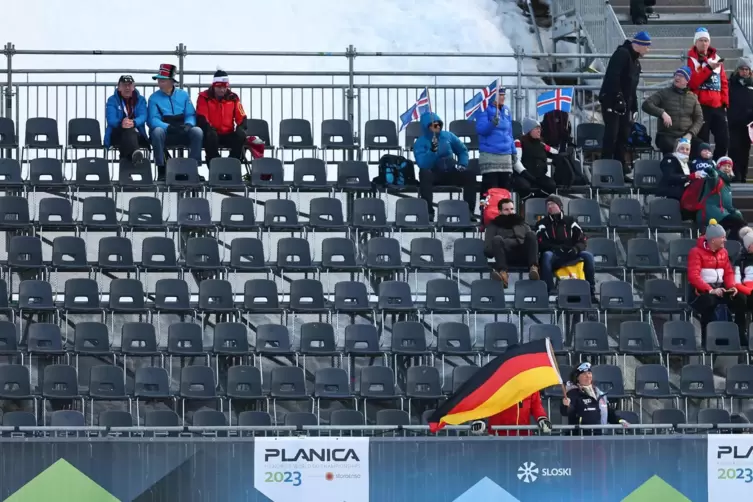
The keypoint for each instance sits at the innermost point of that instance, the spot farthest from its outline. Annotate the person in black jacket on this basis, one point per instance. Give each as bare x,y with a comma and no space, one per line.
739,115
509,240
531,176
677,174
586,404
562,242
618,96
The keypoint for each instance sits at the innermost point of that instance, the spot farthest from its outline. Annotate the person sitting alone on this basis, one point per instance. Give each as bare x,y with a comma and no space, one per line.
511,242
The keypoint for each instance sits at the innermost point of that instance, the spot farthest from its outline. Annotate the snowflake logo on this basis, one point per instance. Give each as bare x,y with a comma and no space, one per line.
528,472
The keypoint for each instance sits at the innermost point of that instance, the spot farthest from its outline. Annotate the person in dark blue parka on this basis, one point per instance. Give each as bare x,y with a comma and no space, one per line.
442,160
126,115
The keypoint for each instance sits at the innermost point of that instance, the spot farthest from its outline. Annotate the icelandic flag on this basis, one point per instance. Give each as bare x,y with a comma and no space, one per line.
480,102
558,99
421,106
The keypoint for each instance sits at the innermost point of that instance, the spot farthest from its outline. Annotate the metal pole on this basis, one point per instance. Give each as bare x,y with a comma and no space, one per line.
181,55
350,53
9,50
519,88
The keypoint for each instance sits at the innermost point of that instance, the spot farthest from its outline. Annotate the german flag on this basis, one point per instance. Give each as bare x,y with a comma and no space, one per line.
500,384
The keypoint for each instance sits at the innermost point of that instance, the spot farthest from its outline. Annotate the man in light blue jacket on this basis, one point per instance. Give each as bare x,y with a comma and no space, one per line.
496,145
172,119
442,160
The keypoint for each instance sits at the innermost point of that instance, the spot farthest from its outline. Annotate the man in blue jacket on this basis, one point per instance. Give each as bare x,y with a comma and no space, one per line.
435,153
172,119
126,120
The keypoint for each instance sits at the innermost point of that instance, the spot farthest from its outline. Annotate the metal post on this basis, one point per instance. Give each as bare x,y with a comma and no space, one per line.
350,53
181,49
519,88
9,50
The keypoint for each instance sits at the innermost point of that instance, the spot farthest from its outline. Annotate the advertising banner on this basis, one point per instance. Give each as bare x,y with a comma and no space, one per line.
291,469
730,467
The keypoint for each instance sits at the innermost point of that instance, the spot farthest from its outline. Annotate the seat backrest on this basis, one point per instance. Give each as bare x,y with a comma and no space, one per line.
84,133
287,381
331,381
231,338
161,418
182,172
408,337
158,252
533,210
280,212
193,212
590,136
260,294
9,337
42,132
551,331
258,128
411,212
255,419
244,381
423,381
10,169
267,171
591,336
395,294
647,174
67,418
14,210
353,175
369,211
426,252
46,170
81,293
295,133
151,381
607,173
664,212
215,294
442,294
462,374
624,212
326,212
637,336
19,419
643,252
247,253
453,337
383,252
135,173
15,381
202,252
660,293
453,213
197,382
604,251
138,338
237,212
668,416
34,295
293,252
336,133
347,418
361,338
469,253
380,133
392,418
106,380
273,338
696,377
68,251
713,416
585,211
679,336
225,171
60,380
377,382
209,418
309,172
115,252
92,171
7,131
184,338
722,337
574,294
679,249
99,211
616,294
652,379
144,211
531,295
317,337
739,379
171,294
487,295
25,252
300,419
412,133
306,294
126,294
499,336
465,130
338,252
608,378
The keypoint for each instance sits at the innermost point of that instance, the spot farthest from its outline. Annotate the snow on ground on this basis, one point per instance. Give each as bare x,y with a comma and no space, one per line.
325,26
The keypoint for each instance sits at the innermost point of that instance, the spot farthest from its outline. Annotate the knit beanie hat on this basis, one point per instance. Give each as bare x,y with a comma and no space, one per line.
746,234
642,38
220,78
701,33
684,71
744,62
529,125
723,160
714,230
555,199
704,146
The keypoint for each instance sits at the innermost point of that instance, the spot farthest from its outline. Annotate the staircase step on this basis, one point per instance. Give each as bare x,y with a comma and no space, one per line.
623,12
677,16
664,3
658,65
661,30
661,45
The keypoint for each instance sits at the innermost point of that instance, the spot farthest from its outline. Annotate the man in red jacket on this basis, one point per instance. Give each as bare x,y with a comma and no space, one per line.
220,114
712,279
516,415
708,81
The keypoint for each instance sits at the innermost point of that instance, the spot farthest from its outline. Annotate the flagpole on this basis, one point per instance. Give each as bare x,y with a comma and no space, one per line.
496,100
428,98
550,349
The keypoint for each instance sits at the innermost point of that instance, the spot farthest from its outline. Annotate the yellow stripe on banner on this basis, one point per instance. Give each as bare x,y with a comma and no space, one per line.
515,390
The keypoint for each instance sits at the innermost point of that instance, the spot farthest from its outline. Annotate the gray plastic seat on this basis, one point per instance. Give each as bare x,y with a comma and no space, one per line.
171,295
454,339
412,132
532,296
261,296
226,172
468,256
465,130
84,133
55,213
353,176
231,340
145,213
426,254
332,384
587,213
10,169
412,214
722,338
46,172
295,134
347,418
652,382
679,339
326,213
300,419
99,213
392,418
713,416
377,383
273,339
422,383
255,419
307,296
194,213
697,381
647,175
182,173
669,416
591,338
115,254
238,214
499,336
574,295
590,137
281,214
617,297
161,418
462,374
661,295
534,210
14,213
267,174
92,172
604,252
115,418
67,418
42,133
487,297
243,384
395,296
380,134
608,177
408,339
158,254
294,255
443,296
44,339
25,254
643,256
260,129
15,382
247,255
664,215
453,214
384,254
91,338
637,338
609,380
678,254
318,339
337,134
739,381
209,418
216,296
626,214
197,383
369,213
19,419
361,340
185,339
8,137
551,331
127,296
339,254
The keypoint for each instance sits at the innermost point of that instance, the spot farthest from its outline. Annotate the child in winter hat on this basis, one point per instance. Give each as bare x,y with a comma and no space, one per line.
746,236
704,160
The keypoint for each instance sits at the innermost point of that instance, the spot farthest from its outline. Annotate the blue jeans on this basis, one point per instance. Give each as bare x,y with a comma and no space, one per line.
193,139
551,262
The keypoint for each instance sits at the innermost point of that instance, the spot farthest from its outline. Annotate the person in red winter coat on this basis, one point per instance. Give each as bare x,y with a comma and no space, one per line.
708,81
712,280
220,114
520,414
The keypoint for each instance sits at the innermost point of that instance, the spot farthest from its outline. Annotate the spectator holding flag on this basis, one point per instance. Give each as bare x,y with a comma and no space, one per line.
497,154
442,159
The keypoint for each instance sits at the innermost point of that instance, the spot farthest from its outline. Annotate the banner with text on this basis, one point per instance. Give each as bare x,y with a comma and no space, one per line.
730,467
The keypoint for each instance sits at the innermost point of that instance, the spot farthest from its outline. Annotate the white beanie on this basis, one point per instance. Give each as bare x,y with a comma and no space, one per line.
701,33
746,234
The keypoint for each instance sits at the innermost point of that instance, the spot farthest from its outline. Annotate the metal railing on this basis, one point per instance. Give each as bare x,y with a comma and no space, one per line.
354,93
742,13
598,21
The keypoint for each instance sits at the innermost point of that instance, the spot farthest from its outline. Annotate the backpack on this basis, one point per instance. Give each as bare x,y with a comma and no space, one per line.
556,130
692,199
639,136
638,12
490,204
395,170
567,171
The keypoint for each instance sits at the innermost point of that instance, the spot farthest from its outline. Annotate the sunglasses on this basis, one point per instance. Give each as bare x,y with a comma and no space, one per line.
584,367
436,124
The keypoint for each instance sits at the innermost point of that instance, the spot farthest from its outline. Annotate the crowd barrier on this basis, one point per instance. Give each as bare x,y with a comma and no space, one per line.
361,464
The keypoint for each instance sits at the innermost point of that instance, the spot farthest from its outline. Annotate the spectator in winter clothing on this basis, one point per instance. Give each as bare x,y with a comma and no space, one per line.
712,279
126,119
709,82
496,145
220,115
562,242
172,119
704,160
517,415
509,240
531,169
676,175
740,114
744,270
442,160
678,111
718,194
586,404
618,94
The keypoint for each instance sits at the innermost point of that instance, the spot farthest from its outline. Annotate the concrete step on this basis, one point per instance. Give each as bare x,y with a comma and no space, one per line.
664,3
664,44
658,65
676,15
623,12
661,30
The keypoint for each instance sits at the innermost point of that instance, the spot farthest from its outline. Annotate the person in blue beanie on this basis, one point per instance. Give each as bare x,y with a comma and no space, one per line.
618,98
678,111
443,161
172,119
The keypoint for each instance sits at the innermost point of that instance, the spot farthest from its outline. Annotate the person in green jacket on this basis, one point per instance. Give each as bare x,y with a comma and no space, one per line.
718,194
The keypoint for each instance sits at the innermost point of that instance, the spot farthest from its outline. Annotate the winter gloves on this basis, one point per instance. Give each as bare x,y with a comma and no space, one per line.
434,144
478,427
545,426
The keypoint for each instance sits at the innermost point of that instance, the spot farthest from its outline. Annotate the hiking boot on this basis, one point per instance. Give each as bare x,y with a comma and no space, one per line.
137,157
501,275
533,273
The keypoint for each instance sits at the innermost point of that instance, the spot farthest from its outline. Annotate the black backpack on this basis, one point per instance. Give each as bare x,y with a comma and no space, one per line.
395,170
567,171
556,130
